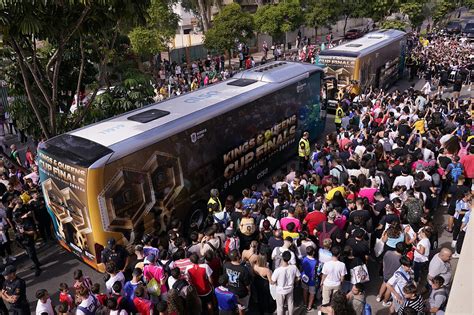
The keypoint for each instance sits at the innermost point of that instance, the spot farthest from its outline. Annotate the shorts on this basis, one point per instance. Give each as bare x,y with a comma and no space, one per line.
451,210
243,302
205,299
311,288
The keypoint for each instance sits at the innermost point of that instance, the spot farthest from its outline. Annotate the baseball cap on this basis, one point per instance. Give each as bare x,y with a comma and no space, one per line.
111,243
8,270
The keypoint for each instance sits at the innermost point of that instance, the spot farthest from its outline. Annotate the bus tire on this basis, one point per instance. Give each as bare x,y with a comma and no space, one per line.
198,215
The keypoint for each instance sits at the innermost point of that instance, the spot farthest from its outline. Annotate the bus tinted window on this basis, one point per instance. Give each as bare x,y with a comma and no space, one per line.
75,150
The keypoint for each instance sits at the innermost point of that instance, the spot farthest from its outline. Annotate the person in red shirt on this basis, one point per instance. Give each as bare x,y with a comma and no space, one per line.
101,297
199,275
142,304
65,297
315,217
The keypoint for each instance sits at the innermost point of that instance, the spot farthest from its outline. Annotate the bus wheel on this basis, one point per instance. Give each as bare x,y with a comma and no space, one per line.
198,216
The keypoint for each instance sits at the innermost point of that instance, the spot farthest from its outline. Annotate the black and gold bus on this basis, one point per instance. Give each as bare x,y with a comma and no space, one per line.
376,59
131,174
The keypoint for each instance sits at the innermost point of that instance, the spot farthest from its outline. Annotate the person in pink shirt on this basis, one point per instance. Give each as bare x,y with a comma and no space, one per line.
290,218
467,162
151,270
368,191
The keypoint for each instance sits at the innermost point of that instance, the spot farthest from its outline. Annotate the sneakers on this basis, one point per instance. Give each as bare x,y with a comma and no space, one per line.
11,258
444,204
379,298
38,272
453,244
456,255
386,304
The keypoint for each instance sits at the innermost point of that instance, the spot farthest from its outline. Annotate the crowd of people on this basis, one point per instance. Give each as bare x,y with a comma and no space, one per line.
366,198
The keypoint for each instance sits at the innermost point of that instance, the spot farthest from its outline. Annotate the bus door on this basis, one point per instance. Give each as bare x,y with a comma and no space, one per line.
331,91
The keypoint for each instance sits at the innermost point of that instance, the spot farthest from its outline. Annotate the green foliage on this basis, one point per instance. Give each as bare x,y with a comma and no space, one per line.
441,10
278,19
134,92
394,24
58,46
380,9
230,26
321,13
20,110
160,28
414,11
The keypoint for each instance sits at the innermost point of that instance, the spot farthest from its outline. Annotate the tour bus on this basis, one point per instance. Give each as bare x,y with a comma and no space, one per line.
376,59
131,174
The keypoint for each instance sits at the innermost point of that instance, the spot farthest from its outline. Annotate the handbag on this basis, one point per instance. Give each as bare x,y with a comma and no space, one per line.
378,248
360,274
153,287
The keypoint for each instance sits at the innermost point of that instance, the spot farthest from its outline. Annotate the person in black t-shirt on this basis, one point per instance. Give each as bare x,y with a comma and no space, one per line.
25,230
239,280
455,192
14,292
360,247
116,253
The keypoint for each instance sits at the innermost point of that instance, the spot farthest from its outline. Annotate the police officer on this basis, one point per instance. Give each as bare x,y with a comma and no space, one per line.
338,117
116,253
14,292
304,150
25,235
214,204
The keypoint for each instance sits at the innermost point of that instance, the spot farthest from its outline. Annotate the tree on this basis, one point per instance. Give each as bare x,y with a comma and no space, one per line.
203,10
442,9
276,20
43,35
160,28
415,12
352,9
394,24
230,26
321,13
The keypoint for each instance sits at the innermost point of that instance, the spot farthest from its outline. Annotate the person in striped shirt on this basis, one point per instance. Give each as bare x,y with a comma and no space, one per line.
412,299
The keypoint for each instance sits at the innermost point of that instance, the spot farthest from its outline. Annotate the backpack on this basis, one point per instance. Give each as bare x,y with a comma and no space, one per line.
165,266
443,292
278,258
225,220
230,244
325,234
343,175
387,146
384,187
218,251
456,171
463,150
414,210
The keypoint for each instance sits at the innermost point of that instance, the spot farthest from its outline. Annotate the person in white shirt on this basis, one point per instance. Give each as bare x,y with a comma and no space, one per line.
404,180
278,252
88,303
422,252
115,276
333,275
44,305
285,277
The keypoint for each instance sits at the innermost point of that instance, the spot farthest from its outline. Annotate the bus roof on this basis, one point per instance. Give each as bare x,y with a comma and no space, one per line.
164,118
365,44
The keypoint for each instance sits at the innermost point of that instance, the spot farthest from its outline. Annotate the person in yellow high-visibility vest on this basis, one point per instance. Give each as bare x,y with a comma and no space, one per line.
214,204
338,117
304,150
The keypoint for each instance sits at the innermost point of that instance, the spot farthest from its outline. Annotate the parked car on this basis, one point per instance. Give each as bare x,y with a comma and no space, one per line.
453,27
353,33
468,30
